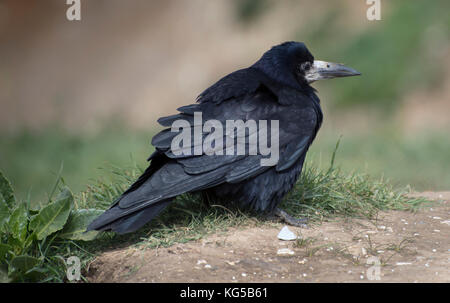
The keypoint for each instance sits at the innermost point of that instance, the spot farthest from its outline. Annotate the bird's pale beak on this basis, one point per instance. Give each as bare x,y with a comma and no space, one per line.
328,70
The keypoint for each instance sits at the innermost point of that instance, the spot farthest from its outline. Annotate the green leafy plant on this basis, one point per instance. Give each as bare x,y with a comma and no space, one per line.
28,233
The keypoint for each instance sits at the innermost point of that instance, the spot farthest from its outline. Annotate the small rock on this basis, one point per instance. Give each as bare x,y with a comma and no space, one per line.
201,262
437,218
286,234
403,263
244,274
285,251
207,266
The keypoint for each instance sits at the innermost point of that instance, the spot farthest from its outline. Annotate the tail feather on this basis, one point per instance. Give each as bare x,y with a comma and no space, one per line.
111,219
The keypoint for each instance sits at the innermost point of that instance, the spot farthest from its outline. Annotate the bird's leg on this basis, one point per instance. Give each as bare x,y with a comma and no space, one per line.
284,216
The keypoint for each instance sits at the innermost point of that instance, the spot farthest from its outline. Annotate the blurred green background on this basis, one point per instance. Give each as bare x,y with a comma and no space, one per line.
85,95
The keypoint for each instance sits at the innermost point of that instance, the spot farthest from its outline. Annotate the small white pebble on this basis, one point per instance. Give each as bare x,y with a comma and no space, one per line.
285,251
207,266
286,234
361,277
437,218
244,274
427,265
201,262
437,231
403,263
433,250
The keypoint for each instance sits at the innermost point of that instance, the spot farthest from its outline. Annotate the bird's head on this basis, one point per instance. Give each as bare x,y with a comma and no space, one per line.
291,63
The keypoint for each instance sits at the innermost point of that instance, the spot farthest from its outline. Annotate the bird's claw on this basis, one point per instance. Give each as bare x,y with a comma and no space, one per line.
288,219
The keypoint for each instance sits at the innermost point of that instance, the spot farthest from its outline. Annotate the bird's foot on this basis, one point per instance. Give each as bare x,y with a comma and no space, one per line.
288,219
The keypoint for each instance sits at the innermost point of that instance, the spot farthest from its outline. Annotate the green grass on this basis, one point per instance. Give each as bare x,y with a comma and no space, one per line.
417,159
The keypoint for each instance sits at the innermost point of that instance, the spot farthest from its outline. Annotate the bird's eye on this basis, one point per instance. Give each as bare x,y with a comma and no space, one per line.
306,66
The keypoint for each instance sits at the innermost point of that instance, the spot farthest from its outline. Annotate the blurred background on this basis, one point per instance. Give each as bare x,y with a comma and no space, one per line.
86,94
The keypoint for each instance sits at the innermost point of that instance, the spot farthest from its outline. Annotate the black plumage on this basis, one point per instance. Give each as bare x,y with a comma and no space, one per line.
274,88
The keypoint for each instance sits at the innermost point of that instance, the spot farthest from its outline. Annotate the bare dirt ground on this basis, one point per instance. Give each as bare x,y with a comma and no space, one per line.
395,247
